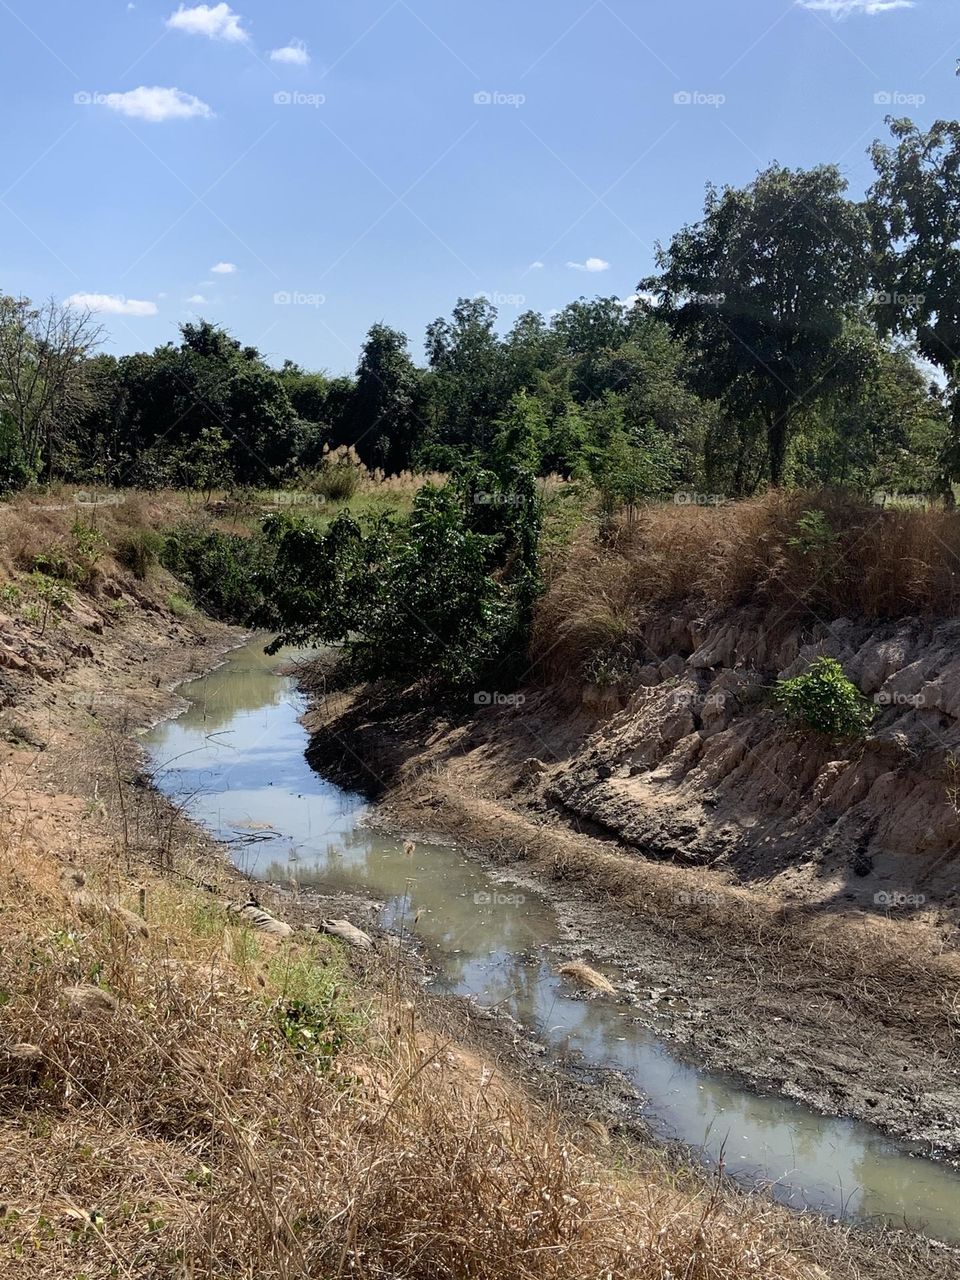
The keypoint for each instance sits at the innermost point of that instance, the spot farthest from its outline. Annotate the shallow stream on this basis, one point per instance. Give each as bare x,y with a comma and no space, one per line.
235,759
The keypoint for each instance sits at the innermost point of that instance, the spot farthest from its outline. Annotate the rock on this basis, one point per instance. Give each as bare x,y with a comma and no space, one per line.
532,768
348,933
579,971
601,700
133,923
255,916
88,999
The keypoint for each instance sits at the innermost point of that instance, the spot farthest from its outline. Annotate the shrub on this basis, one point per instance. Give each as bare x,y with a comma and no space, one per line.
446,592
339,476
221,569
826,701
140,551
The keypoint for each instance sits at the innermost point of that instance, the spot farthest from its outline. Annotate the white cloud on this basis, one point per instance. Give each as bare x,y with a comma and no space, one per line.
198,299
591,264
224,268
295,53
112,304
632,299
845,8
216,21
535,266
156,104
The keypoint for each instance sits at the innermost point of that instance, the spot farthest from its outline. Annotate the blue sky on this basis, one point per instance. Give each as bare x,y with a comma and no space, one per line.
300,169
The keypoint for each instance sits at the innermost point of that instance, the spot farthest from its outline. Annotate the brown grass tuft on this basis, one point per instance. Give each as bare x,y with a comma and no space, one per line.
855,560
579,971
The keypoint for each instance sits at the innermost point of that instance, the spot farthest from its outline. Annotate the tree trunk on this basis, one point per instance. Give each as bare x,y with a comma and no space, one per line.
777,448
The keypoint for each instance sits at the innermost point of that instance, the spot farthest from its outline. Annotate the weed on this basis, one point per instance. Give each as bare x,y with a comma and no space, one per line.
825,700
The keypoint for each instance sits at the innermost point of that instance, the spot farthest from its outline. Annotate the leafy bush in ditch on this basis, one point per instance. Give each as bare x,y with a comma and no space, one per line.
446,592
826,701
222,570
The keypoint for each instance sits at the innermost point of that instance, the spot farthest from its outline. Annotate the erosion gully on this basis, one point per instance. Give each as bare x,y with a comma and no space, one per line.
235,759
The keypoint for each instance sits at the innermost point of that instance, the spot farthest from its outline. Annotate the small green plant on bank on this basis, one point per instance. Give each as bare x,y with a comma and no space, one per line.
50,598
88,546
815,535
11,597
76,561
826,701
179,606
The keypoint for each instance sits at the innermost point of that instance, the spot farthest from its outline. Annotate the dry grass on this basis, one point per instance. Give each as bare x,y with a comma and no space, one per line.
246,1111
580,972
868,563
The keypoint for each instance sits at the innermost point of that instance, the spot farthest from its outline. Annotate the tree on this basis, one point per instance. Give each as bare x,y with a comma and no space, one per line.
883,428
466,393
914,210
383,423
760,289
42,350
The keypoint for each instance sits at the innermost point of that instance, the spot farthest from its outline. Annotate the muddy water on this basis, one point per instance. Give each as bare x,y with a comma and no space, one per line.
236,758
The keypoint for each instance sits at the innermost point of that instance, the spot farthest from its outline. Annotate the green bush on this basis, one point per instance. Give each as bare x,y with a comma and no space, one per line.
339,476
824,700
446,592
221,569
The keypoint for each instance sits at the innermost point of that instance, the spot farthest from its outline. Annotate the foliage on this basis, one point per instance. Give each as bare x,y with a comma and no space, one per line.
779,340
221,569
339,475
914,208
48,598
767,325
825,700
446,592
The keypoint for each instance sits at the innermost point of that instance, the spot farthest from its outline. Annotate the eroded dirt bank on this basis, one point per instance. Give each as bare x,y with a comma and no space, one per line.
800,900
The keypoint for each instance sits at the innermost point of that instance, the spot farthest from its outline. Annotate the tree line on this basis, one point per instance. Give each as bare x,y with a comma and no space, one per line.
791,335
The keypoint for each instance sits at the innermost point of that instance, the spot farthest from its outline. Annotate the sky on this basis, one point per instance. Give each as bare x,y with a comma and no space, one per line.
297,170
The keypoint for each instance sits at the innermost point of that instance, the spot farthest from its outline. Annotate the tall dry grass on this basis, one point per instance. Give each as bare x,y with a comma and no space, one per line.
853,559
185,1133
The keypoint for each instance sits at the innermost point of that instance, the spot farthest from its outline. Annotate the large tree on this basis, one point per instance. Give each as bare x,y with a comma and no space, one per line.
383,420
914,210
761,289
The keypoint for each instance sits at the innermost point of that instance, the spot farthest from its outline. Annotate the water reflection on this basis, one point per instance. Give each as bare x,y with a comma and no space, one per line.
236,757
